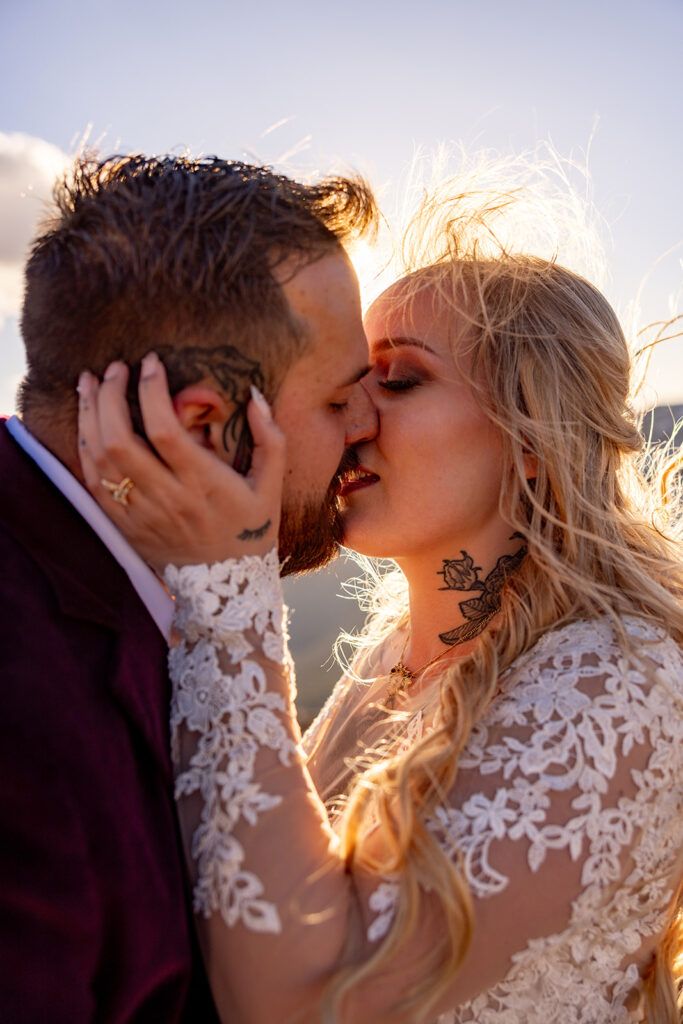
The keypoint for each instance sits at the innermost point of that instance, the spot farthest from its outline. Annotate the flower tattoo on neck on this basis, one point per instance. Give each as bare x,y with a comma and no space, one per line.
462,574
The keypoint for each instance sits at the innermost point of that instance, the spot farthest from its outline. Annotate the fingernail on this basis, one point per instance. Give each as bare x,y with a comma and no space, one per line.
112,371
261,403
149,365
83,382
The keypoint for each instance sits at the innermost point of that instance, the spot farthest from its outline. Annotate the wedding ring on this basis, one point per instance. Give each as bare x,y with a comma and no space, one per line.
119,492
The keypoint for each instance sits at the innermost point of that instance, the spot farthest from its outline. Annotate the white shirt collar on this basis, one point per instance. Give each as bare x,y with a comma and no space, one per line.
149,587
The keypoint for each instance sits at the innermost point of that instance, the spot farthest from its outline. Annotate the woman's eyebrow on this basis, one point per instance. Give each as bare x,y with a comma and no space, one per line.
385,343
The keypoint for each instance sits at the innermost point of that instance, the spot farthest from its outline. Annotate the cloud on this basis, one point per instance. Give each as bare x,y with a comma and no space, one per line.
28,169
12,364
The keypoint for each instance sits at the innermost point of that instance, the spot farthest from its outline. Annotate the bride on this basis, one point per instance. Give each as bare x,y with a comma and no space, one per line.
485,823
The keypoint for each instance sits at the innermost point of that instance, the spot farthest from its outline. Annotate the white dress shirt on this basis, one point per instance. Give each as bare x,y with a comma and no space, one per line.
149,587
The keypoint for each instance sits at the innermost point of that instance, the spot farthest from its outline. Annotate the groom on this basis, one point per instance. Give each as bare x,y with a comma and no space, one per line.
235,275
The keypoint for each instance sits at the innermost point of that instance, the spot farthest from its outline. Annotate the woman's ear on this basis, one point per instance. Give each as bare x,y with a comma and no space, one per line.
203,411
530,464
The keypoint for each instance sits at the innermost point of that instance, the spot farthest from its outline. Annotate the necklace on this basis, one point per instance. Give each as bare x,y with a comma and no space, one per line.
401,678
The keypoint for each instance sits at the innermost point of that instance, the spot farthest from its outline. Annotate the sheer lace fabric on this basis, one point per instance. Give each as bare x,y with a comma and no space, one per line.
569,713
217,609
577,765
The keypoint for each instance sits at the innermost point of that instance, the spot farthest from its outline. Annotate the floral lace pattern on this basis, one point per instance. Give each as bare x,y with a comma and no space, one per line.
221,693
580,757
553,731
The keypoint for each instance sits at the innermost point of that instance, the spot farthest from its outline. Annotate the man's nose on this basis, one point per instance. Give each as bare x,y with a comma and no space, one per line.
362,420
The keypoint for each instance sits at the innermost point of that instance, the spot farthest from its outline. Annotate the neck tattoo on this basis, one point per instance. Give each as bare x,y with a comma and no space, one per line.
463,575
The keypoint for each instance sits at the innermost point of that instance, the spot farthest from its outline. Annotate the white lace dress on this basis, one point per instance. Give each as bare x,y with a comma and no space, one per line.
567,812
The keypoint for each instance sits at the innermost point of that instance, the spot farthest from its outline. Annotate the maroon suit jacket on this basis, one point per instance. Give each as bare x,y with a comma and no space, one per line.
94,919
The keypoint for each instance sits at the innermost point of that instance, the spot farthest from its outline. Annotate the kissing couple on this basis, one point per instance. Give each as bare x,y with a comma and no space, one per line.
485,821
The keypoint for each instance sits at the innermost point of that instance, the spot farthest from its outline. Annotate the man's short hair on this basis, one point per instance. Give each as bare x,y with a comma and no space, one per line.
171,252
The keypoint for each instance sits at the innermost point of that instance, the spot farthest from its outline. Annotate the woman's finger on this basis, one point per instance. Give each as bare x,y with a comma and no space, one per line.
113,413
162,426
89,441
109,449
268,459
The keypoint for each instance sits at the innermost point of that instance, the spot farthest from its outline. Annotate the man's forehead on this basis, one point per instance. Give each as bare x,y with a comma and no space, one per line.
324,304
333,361
337,361
328,283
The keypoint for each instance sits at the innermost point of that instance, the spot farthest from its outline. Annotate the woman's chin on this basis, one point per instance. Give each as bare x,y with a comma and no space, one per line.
364,540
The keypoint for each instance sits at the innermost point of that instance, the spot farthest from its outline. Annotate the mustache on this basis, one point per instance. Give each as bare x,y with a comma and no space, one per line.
350,460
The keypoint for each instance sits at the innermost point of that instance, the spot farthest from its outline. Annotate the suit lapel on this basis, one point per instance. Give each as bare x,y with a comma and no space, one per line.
139,679
89,585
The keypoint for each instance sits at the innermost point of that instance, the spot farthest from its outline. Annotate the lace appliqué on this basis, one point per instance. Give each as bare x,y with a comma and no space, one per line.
227,612
382,902
544,736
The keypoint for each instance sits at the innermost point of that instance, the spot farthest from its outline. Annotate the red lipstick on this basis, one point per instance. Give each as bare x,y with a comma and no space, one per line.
357,478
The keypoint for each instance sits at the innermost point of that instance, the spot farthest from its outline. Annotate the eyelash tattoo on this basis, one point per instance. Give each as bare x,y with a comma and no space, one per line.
254,534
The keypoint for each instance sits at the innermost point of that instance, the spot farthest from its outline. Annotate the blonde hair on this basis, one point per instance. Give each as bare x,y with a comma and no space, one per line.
547,360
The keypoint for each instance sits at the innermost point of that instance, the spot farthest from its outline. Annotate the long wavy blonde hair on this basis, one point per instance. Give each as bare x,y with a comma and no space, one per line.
547,360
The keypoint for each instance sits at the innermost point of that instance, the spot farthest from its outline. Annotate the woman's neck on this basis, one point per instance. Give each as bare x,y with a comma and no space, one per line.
455,596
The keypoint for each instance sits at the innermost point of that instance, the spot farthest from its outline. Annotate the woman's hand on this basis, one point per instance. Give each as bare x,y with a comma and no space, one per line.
186,506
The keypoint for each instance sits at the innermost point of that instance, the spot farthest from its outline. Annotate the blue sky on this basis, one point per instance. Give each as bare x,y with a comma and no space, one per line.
359,85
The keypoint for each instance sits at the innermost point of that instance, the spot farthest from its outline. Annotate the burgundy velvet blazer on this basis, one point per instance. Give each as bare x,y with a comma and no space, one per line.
94,917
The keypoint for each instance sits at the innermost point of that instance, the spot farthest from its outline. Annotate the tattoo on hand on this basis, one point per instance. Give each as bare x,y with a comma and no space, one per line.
462,574
254,534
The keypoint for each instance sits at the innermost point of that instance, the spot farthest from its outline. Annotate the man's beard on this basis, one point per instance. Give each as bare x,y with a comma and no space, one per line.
311,531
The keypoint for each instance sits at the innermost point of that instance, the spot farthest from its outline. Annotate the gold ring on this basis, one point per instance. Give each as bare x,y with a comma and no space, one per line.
119,492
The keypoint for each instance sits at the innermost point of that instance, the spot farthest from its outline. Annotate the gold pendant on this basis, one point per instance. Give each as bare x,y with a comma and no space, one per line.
400,679
401,676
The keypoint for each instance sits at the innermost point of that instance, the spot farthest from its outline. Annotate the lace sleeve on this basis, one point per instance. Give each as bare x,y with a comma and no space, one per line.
220,692
262,857
567,812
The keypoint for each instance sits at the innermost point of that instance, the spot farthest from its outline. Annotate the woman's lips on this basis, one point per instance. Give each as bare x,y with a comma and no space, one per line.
356,479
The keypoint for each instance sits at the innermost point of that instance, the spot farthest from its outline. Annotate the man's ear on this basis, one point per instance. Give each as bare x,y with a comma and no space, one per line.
203,411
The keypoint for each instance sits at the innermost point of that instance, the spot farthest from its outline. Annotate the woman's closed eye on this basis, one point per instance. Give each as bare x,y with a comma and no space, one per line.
405,383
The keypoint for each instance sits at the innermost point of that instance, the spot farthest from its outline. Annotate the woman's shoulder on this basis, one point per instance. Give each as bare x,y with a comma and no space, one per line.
589,670
590,716
596,644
